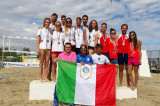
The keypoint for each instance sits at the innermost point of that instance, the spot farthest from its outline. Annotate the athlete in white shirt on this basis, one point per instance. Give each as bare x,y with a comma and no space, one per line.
93,30
70,34
80,35
63,21
57,46
43,47
98,57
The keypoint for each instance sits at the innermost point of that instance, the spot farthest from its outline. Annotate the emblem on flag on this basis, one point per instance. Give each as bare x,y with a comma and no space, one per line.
86,71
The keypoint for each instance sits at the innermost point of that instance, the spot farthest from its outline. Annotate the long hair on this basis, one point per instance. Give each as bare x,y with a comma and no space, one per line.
91,28
66,27
135,39
45,21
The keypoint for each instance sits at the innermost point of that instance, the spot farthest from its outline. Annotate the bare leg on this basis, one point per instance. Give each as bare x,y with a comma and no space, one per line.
117,66
50,69
46,64
120,75
41,61
91,51
136,75
54,67
130,68
127,76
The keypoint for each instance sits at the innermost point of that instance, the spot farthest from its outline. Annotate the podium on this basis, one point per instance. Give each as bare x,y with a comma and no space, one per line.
45,90
41,90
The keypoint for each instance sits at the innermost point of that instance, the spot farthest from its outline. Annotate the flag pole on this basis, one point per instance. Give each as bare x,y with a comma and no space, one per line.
111,14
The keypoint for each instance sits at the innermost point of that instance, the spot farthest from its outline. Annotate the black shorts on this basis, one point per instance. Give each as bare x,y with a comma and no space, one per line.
90,47
123,58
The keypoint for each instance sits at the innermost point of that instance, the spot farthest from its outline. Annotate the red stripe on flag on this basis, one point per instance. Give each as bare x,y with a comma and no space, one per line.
105,85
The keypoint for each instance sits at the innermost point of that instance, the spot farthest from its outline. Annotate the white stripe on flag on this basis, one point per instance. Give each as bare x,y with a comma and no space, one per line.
83,95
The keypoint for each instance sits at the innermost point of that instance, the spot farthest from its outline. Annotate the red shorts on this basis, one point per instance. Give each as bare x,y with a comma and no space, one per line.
56,53
133,61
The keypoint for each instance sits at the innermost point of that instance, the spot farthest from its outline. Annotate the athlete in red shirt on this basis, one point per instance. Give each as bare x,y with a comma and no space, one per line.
123,48
134,58
113,48
103,39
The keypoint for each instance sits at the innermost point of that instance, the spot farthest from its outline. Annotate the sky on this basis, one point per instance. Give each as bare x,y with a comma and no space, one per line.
142,16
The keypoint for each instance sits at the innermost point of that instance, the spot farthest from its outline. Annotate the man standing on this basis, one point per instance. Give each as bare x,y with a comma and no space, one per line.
80,35
63,21
83,57
54,17
123,48
98,57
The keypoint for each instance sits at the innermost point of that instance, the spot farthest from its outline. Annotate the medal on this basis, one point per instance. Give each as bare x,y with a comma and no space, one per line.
47,40
123,40
123,44
114,49
58,42
104,44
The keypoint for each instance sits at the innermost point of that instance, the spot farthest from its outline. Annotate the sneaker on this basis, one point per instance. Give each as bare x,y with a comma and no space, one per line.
55,102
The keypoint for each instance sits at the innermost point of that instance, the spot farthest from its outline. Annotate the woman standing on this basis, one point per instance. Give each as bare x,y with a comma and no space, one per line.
43,47
57,46
113,48
70,34
134,58
93,30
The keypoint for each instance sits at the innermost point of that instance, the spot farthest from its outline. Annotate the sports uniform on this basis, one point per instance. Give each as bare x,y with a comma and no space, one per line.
92,39
99,59
57,42
123,48
45,36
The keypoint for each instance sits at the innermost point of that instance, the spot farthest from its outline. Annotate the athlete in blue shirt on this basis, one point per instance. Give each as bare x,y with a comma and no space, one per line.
83,57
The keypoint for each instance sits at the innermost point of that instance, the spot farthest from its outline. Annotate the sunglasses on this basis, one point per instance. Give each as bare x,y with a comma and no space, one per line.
113,33
69,22
58,25
83,48
67,47
133,34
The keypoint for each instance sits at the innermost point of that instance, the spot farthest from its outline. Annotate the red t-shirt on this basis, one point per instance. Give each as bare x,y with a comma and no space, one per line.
133,52
123,44
104,40
113,49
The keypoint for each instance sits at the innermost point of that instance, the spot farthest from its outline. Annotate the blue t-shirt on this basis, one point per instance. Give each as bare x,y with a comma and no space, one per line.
87,59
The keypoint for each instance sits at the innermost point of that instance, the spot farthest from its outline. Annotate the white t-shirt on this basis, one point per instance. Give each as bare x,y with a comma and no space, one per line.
70,36
92,38
45,37
53,27
57,41
99,59
79,37
62,28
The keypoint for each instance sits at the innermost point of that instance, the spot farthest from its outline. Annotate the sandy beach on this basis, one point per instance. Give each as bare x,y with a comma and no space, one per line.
15,89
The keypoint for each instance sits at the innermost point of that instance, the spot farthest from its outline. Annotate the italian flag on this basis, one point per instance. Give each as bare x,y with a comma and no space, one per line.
98,89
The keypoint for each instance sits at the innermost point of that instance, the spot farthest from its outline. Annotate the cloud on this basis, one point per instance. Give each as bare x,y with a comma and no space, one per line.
142,16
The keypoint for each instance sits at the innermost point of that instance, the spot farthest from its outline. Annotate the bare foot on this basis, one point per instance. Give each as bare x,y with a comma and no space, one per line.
133,87
41,80
120,85
54,79
129,86
47,80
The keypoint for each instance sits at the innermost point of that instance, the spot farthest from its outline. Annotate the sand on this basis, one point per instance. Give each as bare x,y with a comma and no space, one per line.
15,89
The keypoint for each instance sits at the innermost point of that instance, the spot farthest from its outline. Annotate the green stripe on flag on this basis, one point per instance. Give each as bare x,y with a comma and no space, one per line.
66,81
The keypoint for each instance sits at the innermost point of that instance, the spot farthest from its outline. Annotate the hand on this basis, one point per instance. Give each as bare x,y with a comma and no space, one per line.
139,62
41,41
90,64
117,36
139,42
74,40
55,60
82,63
